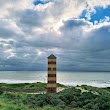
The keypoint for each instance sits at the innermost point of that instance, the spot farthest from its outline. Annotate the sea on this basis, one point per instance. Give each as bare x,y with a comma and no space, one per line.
96,79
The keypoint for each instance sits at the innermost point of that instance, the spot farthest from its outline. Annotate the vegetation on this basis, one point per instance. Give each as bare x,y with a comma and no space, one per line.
25,87
72,98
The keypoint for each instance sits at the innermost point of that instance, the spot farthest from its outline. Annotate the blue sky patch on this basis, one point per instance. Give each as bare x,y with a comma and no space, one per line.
100,14
37,2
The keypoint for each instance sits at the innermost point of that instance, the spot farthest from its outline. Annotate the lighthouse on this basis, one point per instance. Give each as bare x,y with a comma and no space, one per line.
51,77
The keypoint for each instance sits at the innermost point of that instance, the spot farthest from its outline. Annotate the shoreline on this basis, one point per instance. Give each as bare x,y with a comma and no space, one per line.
101,85
75,83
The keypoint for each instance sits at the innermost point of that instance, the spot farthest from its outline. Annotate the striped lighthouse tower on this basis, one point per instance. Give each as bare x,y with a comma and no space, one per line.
51,79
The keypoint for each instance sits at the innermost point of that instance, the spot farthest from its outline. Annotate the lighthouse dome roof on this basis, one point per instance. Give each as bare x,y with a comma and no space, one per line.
52,56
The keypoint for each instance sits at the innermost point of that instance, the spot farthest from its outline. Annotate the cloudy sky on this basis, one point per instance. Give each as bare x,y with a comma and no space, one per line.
76,31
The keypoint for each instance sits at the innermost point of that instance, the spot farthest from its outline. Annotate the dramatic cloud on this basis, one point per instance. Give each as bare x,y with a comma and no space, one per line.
30,30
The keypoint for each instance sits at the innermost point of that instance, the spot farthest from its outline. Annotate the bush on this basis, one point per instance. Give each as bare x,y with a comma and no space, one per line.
1,92
10,95
88,106
68,99
48,99
74,104
48,107
87,95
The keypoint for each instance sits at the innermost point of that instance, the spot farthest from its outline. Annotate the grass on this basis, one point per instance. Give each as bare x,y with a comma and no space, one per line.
26,87
71,98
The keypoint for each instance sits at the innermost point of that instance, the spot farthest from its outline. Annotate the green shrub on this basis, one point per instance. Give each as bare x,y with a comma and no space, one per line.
68,99
1,92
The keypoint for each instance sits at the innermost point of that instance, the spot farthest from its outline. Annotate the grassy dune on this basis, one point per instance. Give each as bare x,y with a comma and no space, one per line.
25,87
71,98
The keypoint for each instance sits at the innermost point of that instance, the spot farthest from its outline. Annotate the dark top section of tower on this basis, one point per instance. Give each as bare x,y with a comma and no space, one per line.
52,57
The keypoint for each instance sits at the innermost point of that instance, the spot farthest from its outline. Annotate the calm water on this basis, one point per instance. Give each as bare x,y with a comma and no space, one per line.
98,79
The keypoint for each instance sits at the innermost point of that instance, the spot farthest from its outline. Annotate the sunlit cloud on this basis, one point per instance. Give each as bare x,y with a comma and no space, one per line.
73,30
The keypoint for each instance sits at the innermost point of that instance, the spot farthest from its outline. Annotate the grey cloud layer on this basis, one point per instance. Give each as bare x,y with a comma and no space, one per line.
29,35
